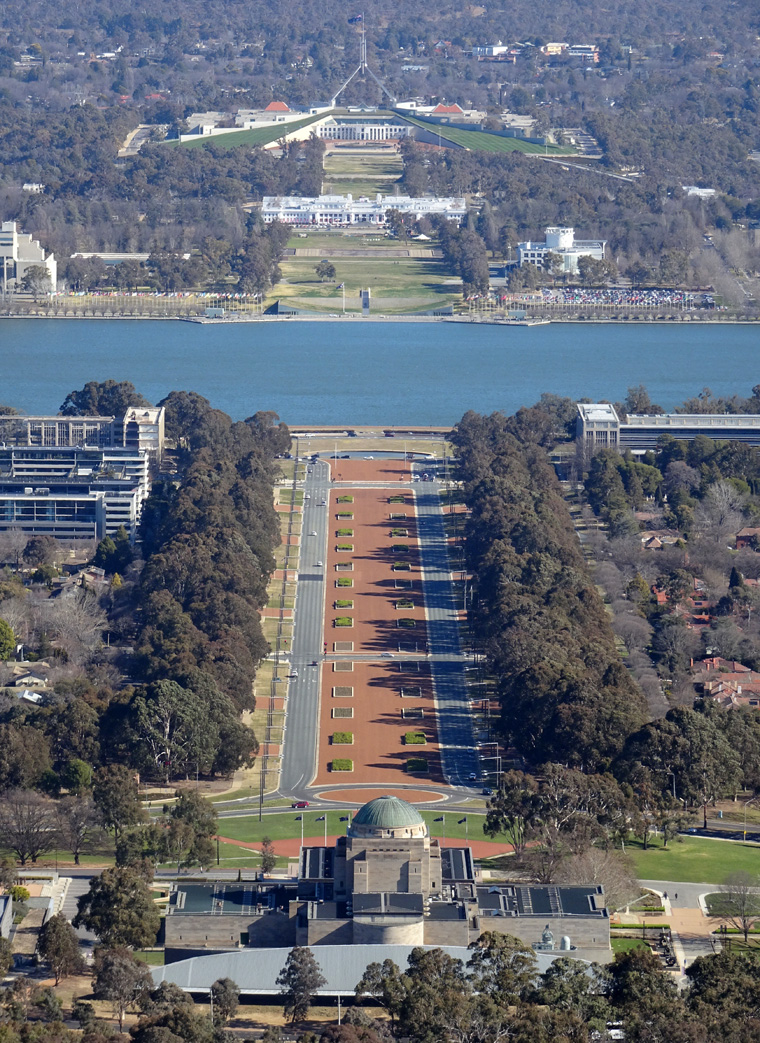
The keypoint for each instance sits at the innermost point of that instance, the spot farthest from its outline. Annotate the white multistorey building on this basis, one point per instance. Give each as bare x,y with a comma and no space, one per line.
19,252
561,241
345,210
74,491
139,428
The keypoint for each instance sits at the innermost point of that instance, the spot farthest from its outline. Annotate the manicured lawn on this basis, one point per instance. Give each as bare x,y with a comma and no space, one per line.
483,141
416,278
285,825
257,136
694,860
626,944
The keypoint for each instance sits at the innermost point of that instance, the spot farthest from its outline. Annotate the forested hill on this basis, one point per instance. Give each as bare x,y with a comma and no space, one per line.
565,695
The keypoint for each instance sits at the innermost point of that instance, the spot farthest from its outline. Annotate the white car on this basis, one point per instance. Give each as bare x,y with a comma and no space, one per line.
318,564
386,655
313,532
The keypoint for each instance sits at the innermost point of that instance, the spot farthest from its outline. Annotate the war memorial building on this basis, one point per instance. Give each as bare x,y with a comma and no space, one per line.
385,884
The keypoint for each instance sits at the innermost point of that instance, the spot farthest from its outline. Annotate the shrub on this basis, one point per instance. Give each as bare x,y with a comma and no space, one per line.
405,603
401,566
343,738
399,532
400,548
415,739
406,622
344,546
343,764
344,621
344,532
416,764
397,499
345,499
345,514
344,581
344,603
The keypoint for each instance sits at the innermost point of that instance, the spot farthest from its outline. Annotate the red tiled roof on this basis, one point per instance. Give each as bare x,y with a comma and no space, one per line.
443,109
277,106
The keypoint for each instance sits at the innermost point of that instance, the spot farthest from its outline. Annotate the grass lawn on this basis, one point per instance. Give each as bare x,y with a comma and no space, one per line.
626,944
362,175
151,957
694,860
286,825
483,141
255,136
415,282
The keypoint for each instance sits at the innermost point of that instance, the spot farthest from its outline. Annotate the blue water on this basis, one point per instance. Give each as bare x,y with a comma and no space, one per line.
354,372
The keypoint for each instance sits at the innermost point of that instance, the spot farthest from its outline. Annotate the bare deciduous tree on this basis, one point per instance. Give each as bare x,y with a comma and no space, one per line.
27,824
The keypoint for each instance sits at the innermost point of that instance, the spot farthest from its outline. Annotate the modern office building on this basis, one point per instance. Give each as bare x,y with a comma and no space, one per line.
18,252
562,242
139,428
330,210
71,492
599,427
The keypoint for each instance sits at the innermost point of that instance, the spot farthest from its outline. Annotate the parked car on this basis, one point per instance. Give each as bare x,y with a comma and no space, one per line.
300,804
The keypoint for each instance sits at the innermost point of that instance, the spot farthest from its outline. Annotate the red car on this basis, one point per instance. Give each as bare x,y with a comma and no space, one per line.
300,804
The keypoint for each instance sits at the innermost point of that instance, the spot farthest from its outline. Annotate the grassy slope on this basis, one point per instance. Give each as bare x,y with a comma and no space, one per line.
484,141
255,136
694,860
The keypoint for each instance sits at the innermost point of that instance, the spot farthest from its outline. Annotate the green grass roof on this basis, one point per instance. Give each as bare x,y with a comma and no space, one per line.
254,136
485,141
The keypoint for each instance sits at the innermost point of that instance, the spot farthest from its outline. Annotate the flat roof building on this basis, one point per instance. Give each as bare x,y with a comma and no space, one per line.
332,210
562,242
388,883
599,427
139,428
57,489
18,253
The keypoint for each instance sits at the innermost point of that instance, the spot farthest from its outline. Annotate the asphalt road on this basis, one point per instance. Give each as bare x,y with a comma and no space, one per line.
302,718
447,663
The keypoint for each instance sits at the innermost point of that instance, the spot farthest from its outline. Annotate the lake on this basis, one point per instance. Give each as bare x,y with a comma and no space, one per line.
357,372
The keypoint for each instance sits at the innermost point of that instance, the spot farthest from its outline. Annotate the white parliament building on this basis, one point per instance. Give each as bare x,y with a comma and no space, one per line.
345,210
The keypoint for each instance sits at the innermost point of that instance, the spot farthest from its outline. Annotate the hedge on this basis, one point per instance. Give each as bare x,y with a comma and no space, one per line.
345,499
405,603
343,738
399,532
342,764
413,739
416,764
397,499
344,621
344,532
406,622
344,581
344,603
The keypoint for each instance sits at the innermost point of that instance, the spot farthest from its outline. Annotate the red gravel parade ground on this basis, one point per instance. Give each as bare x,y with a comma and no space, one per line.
372,544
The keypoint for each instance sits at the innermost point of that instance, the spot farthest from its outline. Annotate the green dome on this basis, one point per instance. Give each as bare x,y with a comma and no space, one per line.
388,813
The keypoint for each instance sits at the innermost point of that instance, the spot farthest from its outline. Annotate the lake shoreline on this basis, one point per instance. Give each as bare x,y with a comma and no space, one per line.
464,321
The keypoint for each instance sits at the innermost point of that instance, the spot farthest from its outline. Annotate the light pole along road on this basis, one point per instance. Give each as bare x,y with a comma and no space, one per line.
299,754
